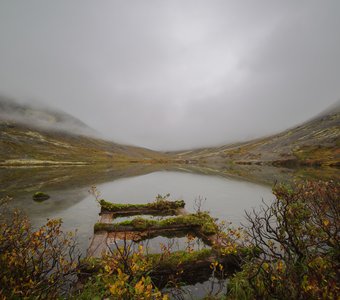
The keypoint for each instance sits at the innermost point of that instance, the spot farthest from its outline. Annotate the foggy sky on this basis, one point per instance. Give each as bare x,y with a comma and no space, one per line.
174,74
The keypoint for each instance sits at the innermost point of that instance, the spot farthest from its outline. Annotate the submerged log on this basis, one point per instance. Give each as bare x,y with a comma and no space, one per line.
188,268
99,227
195,271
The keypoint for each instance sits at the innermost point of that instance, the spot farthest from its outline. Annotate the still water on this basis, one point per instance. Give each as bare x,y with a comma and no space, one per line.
224,198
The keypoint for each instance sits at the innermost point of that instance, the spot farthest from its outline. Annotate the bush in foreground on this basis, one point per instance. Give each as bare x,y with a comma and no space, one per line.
35,264
123,275
297,239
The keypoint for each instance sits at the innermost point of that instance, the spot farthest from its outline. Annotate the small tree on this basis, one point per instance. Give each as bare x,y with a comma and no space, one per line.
35,264
297,239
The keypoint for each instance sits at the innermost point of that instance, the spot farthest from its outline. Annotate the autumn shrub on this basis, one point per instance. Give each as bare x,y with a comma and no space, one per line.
34,263
297,239
124,275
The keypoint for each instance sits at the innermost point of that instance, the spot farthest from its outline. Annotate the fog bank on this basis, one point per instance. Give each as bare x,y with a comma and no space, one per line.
172,75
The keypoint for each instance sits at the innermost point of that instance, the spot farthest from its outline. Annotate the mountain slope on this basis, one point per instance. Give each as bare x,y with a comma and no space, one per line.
41,117
26,142
313,143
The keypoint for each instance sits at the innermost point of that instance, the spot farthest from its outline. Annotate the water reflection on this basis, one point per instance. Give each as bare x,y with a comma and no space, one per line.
224,198
226,194
160,244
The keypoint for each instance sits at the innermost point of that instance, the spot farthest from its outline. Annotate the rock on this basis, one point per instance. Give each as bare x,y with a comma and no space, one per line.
40,196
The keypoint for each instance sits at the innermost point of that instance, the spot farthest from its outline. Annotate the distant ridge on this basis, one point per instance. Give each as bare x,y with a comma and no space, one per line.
313,143
33,135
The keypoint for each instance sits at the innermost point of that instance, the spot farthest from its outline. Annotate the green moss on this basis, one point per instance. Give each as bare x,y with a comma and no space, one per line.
104,227
201,221
179,257
159,205
90,265
95,288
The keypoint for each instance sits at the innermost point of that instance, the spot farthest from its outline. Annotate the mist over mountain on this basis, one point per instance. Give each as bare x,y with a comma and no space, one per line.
39,135
41,116
170,75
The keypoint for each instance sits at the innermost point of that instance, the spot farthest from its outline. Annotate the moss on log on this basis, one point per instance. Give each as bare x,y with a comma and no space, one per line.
157,207
199,221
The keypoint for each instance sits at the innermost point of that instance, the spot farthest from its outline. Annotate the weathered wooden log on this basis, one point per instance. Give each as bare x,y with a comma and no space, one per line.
195,271
164,207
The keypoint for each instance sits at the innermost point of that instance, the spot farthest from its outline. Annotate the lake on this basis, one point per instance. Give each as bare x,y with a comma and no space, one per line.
224,198
225,192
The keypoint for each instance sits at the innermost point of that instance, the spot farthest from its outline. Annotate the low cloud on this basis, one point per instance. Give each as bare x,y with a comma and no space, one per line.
174,74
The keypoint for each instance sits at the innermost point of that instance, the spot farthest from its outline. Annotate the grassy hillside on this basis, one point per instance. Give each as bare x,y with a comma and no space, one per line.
21,144
40,136
33,136
315,143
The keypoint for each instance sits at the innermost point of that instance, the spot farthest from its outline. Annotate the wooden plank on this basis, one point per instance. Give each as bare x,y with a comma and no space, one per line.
106,218
98,245
102,239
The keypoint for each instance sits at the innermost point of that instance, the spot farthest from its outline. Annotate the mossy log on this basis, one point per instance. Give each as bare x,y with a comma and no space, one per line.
161,207
201,222
188,268
195,270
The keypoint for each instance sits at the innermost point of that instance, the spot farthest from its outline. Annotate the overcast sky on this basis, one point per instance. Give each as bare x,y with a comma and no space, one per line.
174,74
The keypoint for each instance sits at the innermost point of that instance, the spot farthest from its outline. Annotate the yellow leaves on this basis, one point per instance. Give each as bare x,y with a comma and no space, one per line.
139,287
148,290
325,222
265,266
229,248
121,288
143,288
280,266
213,265
38,233
277,267
107,269
138,262
113,288
118,288
122,276
126,277
120,285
